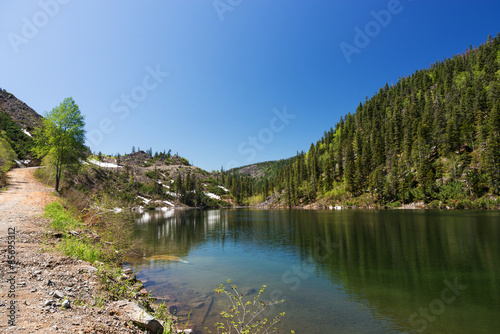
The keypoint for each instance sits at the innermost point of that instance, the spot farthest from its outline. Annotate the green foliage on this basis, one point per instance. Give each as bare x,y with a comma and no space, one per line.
7,155
409,142
62,137
60,218
246,317
79,249
17,139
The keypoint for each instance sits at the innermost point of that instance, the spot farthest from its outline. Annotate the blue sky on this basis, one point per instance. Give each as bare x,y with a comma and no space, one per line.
225,82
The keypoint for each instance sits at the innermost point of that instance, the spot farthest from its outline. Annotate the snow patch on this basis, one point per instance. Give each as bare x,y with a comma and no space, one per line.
27,133
225,189
103,164
144,199
214,196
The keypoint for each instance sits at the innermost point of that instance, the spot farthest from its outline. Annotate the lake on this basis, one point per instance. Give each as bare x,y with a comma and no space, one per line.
349,271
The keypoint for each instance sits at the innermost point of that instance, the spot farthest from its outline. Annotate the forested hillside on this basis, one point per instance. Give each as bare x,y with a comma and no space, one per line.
434,137
14,142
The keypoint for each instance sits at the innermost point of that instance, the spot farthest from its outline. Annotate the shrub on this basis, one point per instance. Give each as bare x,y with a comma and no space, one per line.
246,316
396,204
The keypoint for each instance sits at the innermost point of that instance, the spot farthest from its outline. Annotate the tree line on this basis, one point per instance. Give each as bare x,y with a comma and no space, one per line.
433,136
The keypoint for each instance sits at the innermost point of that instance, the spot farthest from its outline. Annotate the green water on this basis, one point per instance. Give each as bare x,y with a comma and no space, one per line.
338,271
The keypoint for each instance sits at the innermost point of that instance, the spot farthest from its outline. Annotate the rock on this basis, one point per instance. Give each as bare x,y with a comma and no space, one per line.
58,294
49,302
74,233
248,291
37,272
135,313
198,304
66,304
128,271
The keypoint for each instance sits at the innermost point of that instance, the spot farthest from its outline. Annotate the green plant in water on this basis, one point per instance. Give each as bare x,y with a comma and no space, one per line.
247,317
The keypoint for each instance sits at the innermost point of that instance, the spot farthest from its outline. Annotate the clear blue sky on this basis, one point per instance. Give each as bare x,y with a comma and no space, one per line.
223,70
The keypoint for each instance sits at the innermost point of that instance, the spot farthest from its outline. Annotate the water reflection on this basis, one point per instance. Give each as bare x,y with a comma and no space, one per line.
393,265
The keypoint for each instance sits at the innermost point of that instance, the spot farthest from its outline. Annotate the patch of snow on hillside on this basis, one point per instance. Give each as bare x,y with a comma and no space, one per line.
27,133
225,189
103,164
214,196
145,200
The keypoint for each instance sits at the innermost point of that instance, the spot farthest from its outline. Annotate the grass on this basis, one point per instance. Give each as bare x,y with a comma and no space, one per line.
78,249
113,285
60,219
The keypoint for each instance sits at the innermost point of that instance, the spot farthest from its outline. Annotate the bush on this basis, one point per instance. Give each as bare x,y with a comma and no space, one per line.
396,204
435,204
451,190
246,316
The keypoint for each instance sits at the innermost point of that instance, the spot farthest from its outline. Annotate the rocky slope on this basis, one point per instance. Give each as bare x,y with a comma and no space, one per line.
20,112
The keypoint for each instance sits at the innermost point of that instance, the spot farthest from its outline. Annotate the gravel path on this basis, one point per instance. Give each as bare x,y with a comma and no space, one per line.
35,283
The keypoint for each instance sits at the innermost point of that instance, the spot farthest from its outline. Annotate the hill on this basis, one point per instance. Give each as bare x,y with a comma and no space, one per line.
16,120
266,169
432,139
20,112
141,180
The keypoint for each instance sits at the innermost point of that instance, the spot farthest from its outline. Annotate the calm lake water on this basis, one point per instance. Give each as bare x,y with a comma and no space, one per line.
344,271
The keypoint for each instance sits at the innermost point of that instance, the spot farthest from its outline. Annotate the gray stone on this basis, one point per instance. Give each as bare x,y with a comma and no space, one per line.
135,313
58,294
66,304
49,303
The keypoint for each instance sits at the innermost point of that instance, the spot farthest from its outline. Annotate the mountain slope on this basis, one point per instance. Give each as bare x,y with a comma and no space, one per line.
19,111
433,138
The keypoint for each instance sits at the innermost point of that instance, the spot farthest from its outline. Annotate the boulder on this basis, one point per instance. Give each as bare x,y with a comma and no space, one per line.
129,311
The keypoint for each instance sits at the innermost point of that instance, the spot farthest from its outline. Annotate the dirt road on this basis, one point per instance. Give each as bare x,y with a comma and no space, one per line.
34,283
